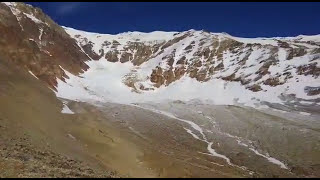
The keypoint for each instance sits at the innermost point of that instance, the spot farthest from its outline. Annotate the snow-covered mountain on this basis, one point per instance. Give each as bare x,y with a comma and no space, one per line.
158,66
216,67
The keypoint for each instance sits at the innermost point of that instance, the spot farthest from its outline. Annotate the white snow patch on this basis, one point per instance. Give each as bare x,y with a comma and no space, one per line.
33,18
66,110
241,143
197,128
72,137
305,113
40,33
278,110
306,102
33,75
270,159
193,135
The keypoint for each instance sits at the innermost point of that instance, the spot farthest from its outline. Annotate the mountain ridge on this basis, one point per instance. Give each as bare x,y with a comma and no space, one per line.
256,67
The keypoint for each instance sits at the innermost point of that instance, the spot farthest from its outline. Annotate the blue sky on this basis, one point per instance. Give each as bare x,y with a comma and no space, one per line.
243,19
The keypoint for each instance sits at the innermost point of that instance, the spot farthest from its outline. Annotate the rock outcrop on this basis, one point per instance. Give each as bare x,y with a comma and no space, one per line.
34,42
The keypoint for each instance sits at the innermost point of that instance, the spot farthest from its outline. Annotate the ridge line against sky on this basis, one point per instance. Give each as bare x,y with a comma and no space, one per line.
246,19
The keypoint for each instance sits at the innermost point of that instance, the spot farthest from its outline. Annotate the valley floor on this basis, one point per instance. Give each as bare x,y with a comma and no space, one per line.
180,139
173,139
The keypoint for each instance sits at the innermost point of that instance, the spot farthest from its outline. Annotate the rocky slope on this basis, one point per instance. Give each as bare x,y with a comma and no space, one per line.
34,138
35,43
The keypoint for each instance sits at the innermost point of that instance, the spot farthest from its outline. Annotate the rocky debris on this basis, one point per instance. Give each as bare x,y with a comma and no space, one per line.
19,158
130,80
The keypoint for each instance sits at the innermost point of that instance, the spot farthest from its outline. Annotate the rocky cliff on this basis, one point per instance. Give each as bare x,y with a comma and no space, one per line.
31,40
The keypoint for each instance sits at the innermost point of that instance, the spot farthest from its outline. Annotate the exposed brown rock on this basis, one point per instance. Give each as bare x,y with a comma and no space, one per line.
273,82
283,44
264,69
168,76
219,67
175,40
296,52
189,47
125,57
198,64
143,52
112,56
157,77
193,72
88,49
179,72
181,60
202,75
310,69
20,44
255,88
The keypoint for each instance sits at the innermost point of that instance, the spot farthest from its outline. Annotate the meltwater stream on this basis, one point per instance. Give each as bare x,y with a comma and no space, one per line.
196,127
212,151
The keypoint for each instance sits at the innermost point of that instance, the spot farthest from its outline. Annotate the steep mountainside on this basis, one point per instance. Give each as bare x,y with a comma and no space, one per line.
31,40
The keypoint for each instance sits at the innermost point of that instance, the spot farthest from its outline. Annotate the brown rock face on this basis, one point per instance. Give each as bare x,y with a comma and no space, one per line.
310,69
255,88
157,77
296,52
263,70
175,40
125,57
39,46
135,52
88,50
143,52
273,82
112,56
